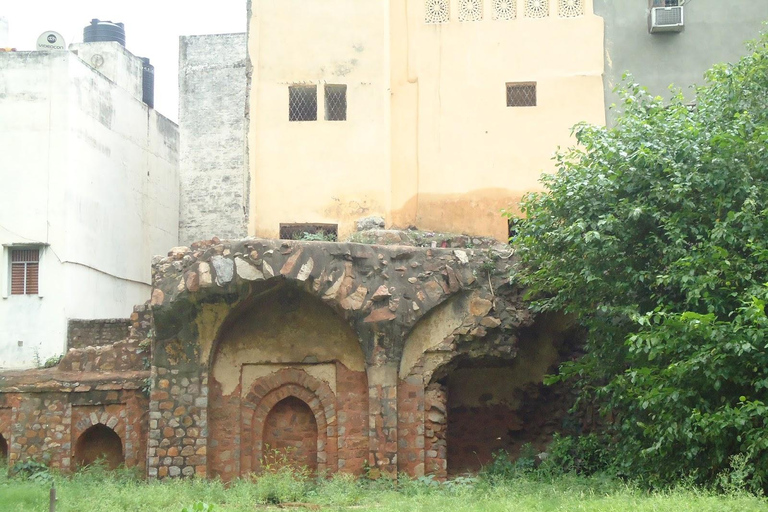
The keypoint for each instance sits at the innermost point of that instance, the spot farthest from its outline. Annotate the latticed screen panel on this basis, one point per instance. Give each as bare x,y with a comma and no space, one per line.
24,271
504,9
536,8
335,102
470,10
437,11
521,94
570,8
302,103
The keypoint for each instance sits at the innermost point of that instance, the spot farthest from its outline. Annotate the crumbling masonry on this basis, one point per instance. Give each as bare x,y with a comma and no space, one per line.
334,356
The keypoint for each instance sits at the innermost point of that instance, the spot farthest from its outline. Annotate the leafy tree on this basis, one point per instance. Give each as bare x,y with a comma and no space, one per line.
654,234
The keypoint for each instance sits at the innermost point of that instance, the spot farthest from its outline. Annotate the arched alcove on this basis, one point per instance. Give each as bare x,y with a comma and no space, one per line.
99,442
285,336
481,389
3,450
290,436
496,404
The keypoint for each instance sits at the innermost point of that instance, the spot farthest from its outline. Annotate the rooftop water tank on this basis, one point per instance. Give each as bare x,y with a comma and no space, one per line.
148,82
99,31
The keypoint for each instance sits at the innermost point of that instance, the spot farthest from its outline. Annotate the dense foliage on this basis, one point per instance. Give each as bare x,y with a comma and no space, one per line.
654,234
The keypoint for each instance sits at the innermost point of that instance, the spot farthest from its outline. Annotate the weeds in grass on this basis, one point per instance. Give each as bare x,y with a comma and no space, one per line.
96,490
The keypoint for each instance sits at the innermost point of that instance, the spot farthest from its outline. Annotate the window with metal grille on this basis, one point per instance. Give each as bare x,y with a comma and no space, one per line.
25,266
317,232
521,94
302,103
335,102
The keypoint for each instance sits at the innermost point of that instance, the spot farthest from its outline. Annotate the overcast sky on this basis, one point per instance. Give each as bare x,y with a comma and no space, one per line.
152,29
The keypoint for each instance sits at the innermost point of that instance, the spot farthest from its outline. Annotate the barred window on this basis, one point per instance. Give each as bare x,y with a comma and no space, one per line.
521,94
335,102
302,103
25,266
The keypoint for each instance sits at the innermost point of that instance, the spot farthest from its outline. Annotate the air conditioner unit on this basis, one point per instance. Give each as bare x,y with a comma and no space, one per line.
665,19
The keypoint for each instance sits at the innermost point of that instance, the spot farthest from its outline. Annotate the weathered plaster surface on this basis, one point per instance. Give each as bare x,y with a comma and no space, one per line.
212,166
422,144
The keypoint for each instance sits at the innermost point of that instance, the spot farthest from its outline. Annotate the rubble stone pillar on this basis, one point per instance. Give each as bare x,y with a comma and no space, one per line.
382,419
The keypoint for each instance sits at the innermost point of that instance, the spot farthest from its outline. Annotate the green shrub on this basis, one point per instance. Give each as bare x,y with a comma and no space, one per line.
503,467
286,484
653,234
31,470
584,455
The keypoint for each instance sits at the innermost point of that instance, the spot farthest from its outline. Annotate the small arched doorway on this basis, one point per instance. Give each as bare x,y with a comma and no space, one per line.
99,442
3,450
290,436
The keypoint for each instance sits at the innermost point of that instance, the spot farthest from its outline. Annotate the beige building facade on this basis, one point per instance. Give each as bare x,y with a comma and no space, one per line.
429,113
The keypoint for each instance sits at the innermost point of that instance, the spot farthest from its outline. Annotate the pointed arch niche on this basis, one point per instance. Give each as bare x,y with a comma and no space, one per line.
99,442
287,371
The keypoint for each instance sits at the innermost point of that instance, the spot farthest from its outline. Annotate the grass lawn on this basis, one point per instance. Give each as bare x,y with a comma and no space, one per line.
100,492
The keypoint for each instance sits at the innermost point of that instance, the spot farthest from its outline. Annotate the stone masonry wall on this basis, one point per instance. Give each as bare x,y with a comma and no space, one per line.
89,333
388,355
381,292
43,413
212,168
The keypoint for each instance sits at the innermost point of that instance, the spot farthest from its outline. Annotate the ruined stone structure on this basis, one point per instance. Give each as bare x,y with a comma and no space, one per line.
334,356
93,404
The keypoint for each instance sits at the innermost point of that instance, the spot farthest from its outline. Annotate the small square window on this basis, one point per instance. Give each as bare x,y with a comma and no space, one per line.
25,268
521,94
302,103
335,102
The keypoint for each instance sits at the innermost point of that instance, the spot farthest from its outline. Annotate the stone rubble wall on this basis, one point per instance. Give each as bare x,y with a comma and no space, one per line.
128,349
44,412
418,313
95,333
381,291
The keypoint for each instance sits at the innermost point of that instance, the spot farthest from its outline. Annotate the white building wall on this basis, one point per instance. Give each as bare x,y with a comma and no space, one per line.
91,174
112,60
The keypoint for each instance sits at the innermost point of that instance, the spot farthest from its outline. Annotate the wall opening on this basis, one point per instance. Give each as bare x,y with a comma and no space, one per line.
317,232
302,103
521,94
285,342
3,450
335,102
290,436
99,443
496,404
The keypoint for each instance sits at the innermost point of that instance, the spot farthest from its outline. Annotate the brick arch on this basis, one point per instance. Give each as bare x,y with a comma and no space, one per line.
265,393
110,421
99,440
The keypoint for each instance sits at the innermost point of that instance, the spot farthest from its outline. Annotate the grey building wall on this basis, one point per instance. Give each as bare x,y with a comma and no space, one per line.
213,169
715,31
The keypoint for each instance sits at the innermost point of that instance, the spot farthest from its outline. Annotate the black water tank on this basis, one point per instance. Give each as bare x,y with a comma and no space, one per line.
99,31
148,82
